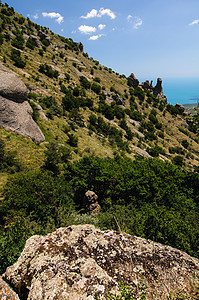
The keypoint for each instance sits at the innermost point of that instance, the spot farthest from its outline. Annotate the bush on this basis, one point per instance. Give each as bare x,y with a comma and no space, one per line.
96,88
178,160
185,144
84,82
35,114
72,140
30,44
16,57
48,71
18,41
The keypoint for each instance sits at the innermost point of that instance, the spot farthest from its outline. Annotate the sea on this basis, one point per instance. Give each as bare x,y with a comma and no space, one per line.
180,90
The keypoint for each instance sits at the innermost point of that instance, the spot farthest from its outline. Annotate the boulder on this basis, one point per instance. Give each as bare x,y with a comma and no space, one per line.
11,87
18,118
82,262
181,108
15,111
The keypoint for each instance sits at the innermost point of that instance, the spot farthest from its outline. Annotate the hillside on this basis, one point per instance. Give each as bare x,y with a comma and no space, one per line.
109,151
83,90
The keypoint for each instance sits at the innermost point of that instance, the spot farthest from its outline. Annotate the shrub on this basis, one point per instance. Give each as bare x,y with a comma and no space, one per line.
178,160
35,114
16,57
84,82
185,144
72,140
30,43
96,88
48,71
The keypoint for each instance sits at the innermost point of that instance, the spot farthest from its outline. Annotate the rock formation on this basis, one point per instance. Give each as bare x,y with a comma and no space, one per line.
157,90
15,112
134,81
82,262
181,108
92,204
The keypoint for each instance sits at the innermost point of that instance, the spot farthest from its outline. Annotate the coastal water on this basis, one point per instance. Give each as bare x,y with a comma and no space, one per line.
180,90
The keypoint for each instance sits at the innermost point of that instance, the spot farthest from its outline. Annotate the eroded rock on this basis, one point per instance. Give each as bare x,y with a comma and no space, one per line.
15,111
82,262
134,81
11,87
92,204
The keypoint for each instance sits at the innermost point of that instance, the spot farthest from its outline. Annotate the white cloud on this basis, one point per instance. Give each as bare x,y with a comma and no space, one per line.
91,14
102,12
107,12
138,23
101,26
194,22
86,29
95,37
135,21
53,15
129,18
36,16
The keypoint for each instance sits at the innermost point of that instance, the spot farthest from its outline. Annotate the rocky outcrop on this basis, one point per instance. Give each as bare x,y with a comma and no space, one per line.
133,80
110,97
15,111
82,262
157,90
180,108
44,36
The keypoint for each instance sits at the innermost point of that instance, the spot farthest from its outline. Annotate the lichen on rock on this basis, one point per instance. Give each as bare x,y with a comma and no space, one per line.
82,262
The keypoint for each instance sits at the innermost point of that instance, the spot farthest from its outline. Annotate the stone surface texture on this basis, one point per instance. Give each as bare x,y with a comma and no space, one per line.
6,293
15,111
82,262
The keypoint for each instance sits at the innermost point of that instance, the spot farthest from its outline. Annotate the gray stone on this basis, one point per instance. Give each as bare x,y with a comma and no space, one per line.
11,87
15,111
18,118
82,262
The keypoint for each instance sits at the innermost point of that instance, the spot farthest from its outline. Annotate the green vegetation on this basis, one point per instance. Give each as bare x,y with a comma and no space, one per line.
88,114
149,198
48,71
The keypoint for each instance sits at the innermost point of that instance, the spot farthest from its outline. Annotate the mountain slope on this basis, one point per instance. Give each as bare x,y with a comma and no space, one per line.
83,91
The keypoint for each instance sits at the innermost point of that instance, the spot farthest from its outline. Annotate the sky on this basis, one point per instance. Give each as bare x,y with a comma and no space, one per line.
150,38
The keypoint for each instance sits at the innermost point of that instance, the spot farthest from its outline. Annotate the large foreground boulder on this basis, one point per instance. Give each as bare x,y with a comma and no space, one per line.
15,111
82,262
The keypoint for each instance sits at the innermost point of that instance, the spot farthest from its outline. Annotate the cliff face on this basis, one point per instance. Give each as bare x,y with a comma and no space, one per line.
15,111
82,262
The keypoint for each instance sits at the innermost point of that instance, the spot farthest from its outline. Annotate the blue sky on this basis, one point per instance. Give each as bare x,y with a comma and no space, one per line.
157,38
